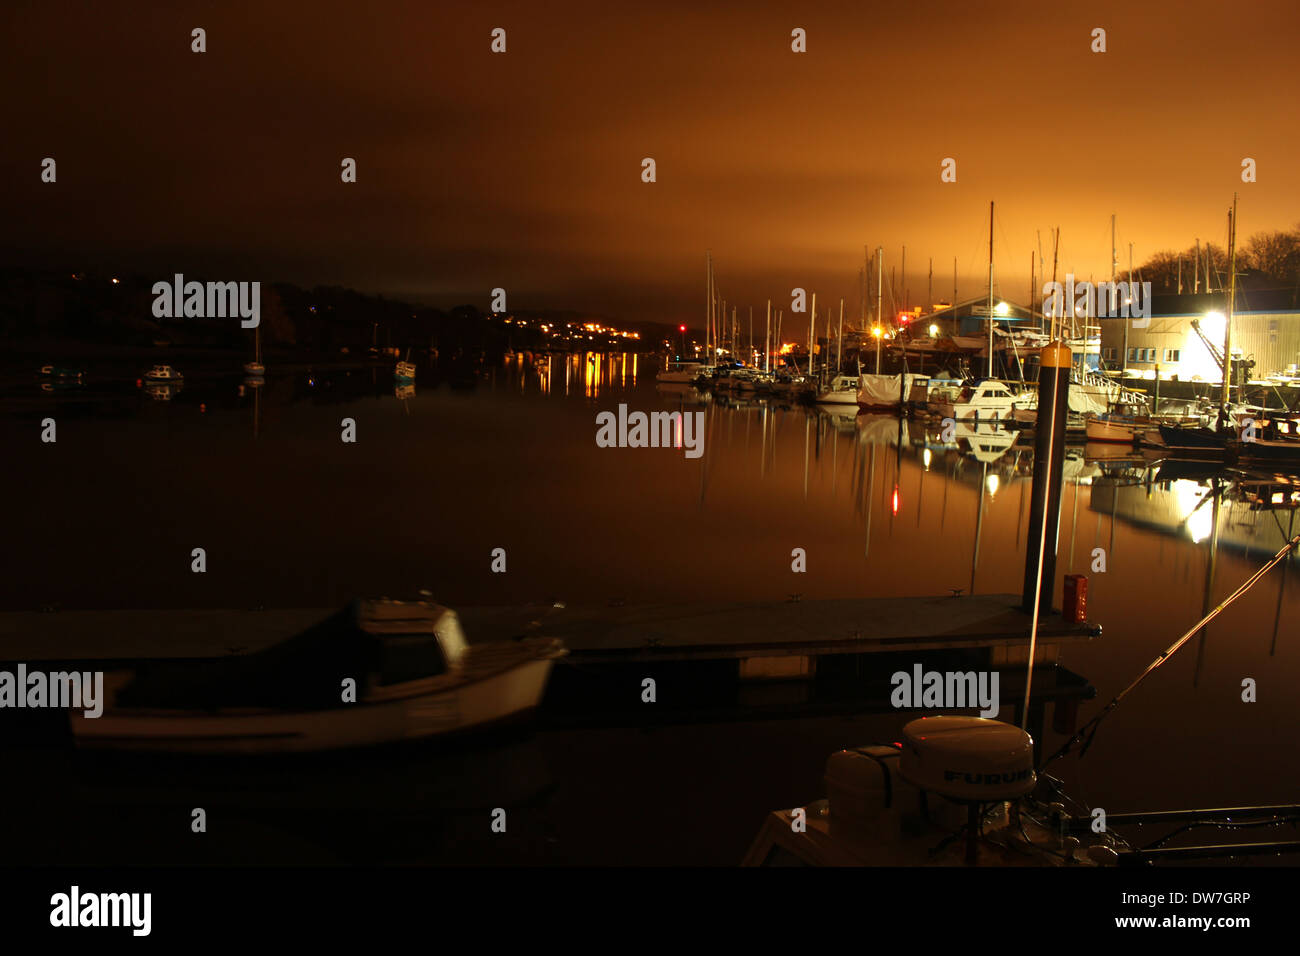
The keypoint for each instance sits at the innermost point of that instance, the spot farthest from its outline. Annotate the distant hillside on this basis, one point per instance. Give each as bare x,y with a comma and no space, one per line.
92,308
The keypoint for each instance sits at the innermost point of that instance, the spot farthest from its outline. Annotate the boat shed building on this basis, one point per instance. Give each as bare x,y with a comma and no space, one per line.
970,317
1184,340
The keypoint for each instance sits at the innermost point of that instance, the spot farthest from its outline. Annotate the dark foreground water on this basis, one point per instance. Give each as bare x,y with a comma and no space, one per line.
440,476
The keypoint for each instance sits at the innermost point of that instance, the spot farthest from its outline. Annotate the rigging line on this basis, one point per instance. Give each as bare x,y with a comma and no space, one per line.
1089,730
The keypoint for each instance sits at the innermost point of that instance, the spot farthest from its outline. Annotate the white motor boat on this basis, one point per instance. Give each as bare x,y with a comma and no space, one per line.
412,675
983,400
843,391
404,371
162,373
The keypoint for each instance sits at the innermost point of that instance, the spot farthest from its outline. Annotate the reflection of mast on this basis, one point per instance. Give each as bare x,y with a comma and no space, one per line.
1281,588
835,457
898,473
1021,512
1114,500
708,445
979,525
1074,527
1209,582
871,501
920,491
806,423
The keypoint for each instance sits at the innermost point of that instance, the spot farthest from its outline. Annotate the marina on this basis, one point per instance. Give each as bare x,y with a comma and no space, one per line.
605,439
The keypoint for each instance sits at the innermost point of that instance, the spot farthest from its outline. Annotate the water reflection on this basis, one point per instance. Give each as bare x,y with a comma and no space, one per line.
477,455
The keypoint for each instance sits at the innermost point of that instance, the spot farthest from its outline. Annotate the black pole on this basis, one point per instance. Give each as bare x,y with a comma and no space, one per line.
1049,461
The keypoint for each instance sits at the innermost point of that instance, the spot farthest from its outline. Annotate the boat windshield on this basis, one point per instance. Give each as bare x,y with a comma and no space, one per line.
408,657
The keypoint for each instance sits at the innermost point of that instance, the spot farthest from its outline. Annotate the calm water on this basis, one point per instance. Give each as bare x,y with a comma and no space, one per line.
291,516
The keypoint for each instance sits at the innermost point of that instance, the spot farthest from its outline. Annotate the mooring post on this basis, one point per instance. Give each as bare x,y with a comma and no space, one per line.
1049,461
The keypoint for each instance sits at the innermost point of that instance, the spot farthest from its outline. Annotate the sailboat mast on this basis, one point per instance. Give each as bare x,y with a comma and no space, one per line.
879,330
1114,262
866,277
812,331
1032,289
902,279
1057,304
990,319
839,343
767,340
708,307
1232,301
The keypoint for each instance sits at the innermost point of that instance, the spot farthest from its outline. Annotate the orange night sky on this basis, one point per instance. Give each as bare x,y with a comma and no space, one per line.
522,170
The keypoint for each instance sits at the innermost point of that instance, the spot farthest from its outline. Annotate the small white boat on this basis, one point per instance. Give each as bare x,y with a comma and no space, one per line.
162,373
405,371
843,391
984,400
414,676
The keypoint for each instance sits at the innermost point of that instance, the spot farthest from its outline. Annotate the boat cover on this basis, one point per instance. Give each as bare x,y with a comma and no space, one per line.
303,672
882,390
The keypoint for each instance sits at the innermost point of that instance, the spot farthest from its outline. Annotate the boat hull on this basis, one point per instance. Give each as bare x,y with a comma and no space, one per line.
1192,439
489,700
1111,432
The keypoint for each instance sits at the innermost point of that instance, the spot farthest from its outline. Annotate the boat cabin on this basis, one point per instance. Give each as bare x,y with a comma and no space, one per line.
415,640
985,391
